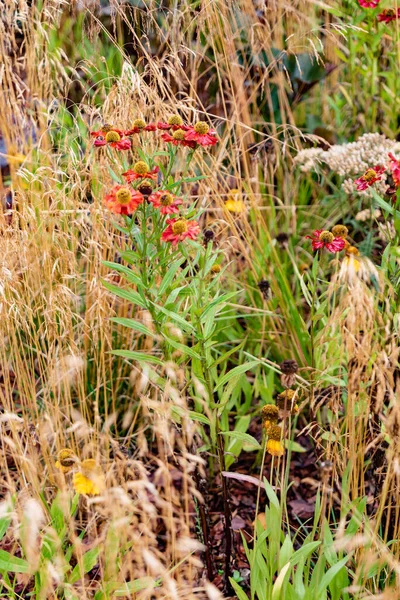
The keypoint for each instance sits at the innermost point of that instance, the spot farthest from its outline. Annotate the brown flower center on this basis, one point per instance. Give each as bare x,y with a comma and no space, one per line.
327,237
123,195
201,127
179,227
112,136
141,168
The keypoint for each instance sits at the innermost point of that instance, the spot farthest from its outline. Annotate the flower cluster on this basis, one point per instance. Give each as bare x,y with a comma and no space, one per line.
387,15
175,131
372,175
285,407
144,182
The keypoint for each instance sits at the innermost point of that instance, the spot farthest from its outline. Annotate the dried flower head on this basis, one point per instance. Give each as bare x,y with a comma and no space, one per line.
216,268
145,187
289,369
90,479
270,415
283,240
285,401
208,235
340,231
66,460
265,288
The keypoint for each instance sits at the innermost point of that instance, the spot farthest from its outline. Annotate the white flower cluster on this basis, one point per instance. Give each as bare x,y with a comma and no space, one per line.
355,158
352,159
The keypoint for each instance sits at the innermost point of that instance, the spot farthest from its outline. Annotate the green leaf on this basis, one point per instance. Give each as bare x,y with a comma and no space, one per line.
243,437
132,324
236,371
129,295
330,575
182,348
89,560
279,582
6,520
188,327
126,272
139,356
12,564
294,446
241,594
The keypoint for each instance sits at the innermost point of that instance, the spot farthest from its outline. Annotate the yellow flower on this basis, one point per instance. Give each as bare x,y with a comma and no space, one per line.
234,202
274,444
90,479
66,460
275,448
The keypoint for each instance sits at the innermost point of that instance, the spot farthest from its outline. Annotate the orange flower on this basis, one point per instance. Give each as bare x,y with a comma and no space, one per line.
166,202
122,200
141,170
180,229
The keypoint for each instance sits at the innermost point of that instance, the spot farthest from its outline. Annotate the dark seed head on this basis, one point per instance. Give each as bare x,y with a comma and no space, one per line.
265,288
289,367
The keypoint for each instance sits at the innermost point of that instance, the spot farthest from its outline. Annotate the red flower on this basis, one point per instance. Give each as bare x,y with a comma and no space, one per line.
140,171
180,229
139,125
113,138
326,239
369,3
166,202
122,200
105,129
389,14
178,139
201,134
394,166
174,122
370,177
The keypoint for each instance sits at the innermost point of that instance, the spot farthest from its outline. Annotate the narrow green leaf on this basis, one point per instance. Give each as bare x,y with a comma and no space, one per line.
89,560
12,564
132,324
139,356
243,437
129,295
236,371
